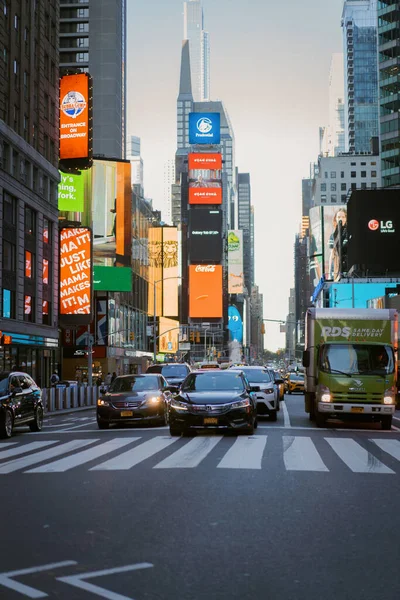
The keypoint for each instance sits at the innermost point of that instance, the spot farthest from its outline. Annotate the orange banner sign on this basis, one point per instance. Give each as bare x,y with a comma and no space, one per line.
74,116
205,161
75,271
205,291
205,196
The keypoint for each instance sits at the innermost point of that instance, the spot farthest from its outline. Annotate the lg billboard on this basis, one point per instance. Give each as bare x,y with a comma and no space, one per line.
205,236
374,230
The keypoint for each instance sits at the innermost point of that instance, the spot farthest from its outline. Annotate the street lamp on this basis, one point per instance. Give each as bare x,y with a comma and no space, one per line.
155,312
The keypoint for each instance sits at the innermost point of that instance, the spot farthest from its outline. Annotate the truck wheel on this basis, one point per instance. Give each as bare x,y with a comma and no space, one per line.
320,419
311,414
386,423
273,415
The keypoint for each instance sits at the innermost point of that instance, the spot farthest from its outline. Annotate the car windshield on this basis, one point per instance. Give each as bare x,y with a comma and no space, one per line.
296,377
174,371
4,383
210,381
257,376
356,359
135,383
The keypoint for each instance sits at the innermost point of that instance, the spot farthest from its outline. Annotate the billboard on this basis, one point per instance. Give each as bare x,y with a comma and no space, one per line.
71,191
235,324
112,279
205,291
205,235
169,336
75,274
374,230
204,128
205,178
75,117
170,271
235,262
155,254
203,160
335,241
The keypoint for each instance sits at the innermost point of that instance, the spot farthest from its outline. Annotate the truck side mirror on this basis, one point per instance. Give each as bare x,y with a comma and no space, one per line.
306,358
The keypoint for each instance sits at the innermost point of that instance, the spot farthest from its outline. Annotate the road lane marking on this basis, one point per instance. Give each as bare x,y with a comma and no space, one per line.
286,418
69,462
136,455
78,580
190,455
25,448
392,447
356,457
78,426
246,453
25,590
27,461
300,454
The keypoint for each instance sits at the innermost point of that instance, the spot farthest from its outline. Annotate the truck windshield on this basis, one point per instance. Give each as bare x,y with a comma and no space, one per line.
356,359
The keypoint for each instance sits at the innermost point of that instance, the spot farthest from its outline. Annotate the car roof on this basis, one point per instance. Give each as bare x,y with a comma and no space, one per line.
249,367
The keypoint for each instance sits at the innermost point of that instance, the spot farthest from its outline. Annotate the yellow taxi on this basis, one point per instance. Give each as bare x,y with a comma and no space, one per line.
295,383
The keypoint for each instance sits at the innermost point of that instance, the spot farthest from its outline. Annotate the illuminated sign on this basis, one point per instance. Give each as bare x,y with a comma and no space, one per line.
170,272
235,262
71,192
205,291
205,235
201,161
205,178
75,271
28,264
112,279
235,324
169,336
204,128
75,116
205,195
45,271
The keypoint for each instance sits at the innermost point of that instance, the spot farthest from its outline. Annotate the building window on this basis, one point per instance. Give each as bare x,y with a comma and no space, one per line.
9,256
30,221
28,308
46,312
353,174
14,165
8,304
16,22
343,187
373,173
342,174
353,164
373,185
333,198
46,232
45,271
343,198
363,164
29,264
9,209
15,67
333,187
323,198
363,186
373,164
323,187
353,186
333,174
363,173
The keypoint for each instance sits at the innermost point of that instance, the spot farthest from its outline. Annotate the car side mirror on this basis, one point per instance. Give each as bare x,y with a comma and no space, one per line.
172,388
15,391
306,358
279,381
254,388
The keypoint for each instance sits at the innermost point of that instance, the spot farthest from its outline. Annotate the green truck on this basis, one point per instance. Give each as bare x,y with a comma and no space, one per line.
350,362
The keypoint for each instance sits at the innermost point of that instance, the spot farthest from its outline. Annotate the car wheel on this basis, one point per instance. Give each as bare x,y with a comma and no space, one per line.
386,423
103,424
6,424
37,423
278,405
251,429
273,416
175,431
320,419
255,423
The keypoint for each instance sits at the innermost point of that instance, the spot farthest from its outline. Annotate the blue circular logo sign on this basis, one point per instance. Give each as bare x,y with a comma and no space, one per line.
73,104
204,125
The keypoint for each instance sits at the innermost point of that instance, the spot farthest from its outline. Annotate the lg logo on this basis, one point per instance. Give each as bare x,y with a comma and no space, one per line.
373,225
384,227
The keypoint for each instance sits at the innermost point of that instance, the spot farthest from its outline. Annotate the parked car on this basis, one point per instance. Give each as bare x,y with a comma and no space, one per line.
214,399
295,383
134,399
20,403
268,395
174,373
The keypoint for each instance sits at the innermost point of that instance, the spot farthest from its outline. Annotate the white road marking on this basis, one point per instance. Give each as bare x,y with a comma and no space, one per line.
25,448
300,454
69,462
78,580
77,426
396,418
27,461
286,418
190,455
136,455
25,590
392,447
246,453
356,457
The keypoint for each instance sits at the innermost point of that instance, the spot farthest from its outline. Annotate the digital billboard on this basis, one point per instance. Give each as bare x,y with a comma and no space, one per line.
205,235
205,160
374,230
205,178
168,342
335,241
71,190
235,262
204,128
75,117
235,324
170,271
205,291
75,274
112,279
155,253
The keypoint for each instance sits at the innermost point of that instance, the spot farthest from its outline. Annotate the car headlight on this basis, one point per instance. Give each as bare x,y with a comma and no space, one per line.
267,391
241,403
101,402
152,401
178,406
389,397
324,393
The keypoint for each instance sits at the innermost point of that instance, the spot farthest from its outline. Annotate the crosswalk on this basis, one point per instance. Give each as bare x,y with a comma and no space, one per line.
254,453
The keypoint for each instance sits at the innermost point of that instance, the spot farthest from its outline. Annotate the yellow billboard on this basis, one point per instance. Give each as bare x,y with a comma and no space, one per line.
169,336
170,271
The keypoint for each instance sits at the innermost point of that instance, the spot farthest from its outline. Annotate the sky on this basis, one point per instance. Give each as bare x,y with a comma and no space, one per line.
270,66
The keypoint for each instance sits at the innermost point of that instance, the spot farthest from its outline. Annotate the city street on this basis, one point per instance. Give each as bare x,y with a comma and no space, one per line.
293,512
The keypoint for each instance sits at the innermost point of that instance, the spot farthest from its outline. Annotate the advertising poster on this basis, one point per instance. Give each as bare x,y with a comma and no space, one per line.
335,241
169,336
316,246
235,262
71,190
75,271
205,291
155,270
74,116
235,324
204,128
205,160
205,178
170,274
112,279
205,236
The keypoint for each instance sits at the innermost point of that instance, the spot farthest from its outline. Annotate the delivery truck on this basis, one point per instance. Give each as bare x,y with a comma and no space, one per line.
350,362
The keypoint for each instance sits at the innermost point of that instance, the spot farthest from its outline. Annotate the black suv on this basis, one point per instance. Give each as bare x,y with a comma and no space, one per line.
174,373
20,403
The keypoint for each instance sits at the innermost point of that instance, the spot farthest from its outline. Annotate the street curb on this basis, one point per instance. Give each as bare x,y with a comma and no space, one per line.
67,411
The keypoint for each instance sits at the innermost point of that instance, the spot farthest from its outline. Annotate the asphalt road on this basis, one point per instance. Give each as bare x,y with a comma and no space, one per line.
292,513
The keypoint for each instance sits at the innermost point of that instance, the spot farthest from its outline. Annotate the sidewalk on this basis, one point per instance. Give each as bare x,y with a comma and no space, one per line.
66,411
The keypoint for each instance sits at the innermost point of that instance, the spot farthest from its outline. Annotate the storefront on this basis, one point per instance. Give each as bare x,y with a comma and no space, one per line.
36,355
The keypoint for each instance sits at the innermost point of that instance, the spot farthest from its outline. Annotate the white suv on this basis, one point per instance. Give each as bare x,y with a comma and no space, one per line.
268,396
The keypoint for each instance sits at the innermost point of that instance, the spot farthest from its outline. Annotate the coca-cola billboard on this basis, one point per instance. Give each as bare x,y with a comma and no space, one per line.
205,291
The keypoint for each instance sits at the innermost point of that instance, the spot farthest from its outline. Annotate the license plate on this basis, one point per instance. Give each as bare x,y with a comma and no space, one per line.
126,413
210,421
357,409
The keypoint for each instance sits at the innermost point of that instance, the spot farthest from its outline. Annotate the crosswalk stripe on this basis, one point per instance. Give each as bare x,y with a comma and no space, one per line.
191,454
246,453
356,457
300,454
27,461
69,462
25,448
392,447
136,455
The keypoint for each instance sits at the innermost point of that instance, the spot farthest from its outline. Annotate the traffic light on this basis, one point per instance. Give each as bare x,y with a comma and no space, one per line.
197,337
262,328
132,336
5,339
192,336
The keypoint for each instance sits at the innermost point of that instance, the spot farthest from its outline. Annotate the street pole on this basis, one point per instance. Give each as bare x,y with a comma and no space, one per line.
90,358
205,344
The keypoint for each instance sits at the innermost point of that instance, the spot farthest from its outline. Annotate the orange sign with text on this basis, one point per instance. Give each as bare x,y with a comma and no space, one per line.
74,116
205,195
75,271
205,161
205,291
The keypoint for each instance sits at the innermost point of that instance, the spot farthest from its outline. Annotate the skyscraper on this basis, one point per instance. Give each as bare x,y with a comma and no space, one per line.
133,154
93,39
245,224
169,180
335,132
199,44
359,24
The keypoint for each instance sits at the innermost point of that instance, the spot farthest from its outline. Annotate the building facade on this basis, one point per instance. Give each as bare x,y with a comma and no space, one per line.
246,224
199,45
334,134
93,39
29,103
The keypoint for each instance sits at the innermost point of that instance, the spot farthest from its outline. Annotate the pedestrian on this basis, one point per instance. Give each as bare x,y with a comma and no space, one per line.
54,379
114,375
107,379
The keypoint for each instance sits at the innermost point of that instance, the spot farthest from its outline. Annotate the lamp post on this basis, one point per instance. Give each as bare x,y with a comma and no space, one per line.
155,313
